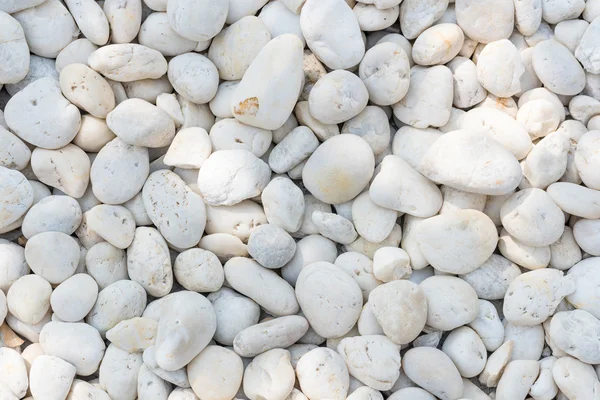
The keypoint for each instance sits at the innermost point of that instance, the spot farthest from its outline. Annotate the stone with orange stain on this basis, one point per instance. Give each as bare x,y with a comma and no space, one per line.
438,44
268,91
322,374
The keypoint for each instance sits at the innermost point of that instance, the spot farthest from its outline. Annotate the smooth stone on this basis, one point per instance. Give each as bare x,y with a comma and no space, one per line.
389,189
15,50
216,373
133,335
42,104
231,134
266,97
486,23
15,155
488,327
238,220
577,334
93,134
248,277
283,203
438,44
309,250
178,212
128,62
360,268
528,257
234,313
416,16
73,299
433,370
280,20
322,374
320,302
156,33
411,109
50,377
564,76
372,221
269,376
194,77
338,43
178,377
17,196
48,27
184,330
87,89
400,308
91,20
52,255
588,47
334,227
381,368
197,20
235,47
279,332
271,246
337,97
66,169
77,343
492,169
119,373
198,270
117,302
468,91
466,350
294,148
339,169
457,229
119,171
499,68
115,224
533,296
149,263
492,279
500,127
451,302
28,299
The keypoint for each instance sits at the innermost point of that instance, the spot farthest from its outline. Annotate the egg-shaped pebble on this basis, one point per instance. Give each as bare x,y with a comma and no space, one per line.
486,23
73,299
322,374
234,312
433,370
451,302
128,62
15,48
52,255
339,169
28,299
215,373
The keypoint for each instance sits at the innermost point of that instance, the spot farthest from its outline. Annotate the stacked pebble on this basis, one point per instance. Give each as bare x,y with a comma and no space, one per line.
299,199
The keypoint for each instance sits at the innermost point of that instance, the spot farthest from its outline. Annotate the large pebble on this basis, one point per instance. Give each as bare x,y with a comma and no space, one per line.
14,50
433,370
517,379
266,96
115,224
117,302
372,221
564,75
271,246
400,307
133,335
234,313
14,373
238,220
451,302
311,249
194,77
339,169
533,296
52,255
16,196
588,48
119,373
373,359
385,71
322,374
269,376
73,299
329,313
157,33
531,217
263,286
42,104
50,377
472,162
198,270
77,343
337,97
468,91
139,123
188,324
178,212
466,349
577,333
53,213
228,177
279,332
66,169
399,187
216,373
87,89
413,108
48,28
16,154
486,22
499,68
457,242
197,20
128,62
28,299
234,48
418,15
91,20
575,379
149,263
119,171
438,44
332,33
